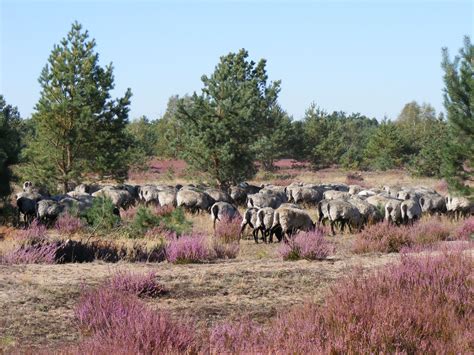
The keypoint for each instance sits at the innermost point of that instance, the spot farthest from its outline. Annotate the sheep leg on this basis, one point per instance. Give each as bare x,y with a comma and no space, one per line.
332,228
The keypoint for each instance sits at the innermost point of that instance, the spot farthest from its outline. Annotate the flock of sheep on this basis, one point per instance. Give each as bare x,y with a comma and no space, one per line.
271,210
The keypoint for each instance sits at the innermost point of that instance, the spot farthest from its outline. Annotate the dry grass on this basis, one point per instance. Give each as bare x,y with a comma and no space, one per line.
36,301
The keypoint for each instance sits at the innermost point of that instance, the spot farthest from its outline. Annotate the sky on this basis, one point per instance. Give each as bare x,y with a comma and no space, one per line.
370,57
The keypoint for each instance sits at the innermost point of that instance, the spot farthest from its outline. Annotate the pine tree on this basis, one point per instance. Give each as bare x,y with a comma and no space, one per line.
458,157
385,147
220,124
10,143
79,129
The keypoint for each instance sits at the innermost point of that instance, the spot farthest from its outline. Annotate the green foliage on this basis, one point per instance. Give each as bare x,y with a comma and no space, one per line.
145,135
219,124
428,160
101,214
273,138
336,138
385,147
79,129
10,143
145,219
458,157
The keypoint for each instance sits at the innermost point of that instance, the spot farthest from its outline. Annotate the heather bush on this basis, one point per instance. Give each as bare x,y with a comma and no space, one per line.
226,250
466,230
67,224
306,245
38,253
141,285
388,238
421,305
119,323
35,231
228,230
192,248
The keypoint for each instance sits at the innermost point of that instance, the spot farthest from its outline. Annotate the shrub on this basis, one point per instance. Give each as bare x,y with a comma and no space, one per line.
120,323
388,238
101,214
67,224
228,230
40,253
306,245
141,285
421,305
226,250
167,218
189,249
466,230
35,231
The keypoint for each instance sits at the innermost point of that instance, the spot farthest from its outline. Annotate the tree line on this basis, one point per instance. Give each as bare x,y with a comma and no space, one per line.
77,130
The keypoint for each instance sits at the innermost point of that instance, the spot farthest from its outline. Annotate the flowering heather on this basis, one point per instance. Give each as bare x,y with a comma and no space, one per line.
129,214
389,238
306,245
39,253
141,285
466,230
189,249
228,230
421,305
35,231
119,323
243,336
226,250
67,224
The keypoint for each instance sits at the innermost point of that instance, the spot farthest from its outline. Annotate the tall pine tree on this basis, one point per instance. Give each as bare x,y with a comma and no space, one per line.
79,129
458,158
221,124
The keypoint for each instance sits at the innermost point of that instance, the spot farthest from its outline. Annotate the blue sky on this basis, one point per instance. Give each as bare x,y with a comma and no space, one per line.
370,57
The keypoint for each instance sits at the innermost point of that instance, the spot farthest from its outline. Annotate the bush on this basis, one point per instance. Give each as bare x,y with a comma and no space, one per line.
466,230
226,250
388,238
189,249
39,253
120,323
306,245
167,218
67,224
421,305
102,214
228,230
141,285
35,231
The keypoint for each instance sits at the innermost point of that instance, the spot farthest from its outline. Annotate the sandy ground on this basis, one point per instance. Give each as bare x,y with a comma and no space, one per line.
37,301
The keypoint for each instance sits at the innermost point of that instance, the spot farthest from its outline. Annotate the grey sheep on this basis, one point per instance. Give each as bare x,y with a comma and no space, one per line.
265,223
291,220
432,203
410,211
221,210
250,219
369,213
306,195
47,211
194,200
335,194
261,200
343,212
393,212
